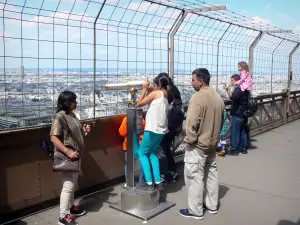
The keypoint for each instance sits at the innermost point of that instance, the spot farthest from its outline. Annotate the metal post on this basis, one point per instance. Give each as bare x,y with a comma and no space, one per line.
251,51
171,48
218,48
272,63
290,77
95,56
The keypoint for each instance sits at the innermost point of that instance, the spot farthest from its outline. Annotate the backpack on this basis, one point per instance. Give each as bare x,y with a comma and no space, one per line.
251,107
175,118
163,162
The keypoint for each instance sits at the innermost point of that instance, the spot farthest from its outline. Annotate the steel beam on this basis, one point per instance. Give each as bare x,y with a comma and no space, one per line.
272,64
95,58
218,49
278,31
290,72
251,51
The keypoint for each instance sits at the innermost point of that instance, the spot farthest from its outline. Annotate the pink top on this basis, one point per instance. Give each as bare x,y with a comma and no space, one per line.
246,81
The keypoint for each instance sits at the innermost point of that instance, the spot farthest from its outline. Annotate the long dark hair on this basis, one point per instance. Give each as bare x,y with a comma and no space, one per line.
173,92
161,81
64,101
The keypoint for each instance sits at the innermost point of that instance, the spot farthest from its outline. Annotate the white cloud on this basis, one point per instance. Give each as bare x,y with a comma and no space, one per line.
261,20
7,34
67,1
172,15
161,41
143,7
245,13
297,29
49,19
255,21
268,6
287,18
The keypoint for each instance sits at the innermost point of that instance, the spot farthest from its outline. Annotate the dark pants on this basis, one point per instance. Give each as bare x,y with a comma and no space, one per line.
238,139
248,95
247,129
166,146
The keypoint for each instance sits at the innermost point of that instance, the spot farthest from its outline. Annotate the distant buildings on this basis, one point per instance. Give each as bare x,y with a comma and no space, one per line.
20,72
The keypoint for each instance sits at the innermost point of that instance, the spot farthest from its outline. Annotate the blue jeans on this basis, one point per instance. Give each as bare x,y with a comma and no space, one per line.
147,151
238,139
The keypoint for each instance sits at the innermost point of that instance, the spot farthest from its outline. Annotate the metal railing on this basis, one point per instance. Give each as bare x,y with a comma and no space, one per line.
80,45
271,113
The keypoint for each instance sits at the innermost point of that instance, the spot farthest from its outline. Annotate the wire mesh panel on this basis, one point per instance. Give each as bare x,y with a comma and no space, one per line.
48,46
234,48
295,83
279,69
263,65
132,44
195,45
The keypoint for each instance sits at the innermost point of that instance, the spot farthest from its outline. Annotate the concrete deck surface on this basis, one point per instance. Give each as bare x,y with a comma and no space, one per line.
260,188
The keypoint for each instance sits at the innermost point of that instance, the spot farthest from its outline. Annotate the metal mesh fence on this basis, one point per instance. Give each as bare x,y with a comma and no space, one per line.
47,46
295,84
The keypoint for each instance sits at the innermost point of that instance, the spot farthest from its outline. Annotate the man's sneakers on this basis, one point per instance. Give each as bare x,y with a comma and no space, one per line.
76,211
209,210
67,220
186,213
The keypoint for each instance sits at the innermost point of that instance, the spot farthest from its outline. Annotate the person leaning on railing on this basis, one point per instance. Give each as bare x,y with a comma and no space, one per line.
67,135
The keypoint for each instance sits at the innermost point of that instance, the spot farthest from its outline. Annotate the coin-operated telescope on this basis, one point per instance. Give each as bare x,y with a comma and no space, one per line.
134,124
138,203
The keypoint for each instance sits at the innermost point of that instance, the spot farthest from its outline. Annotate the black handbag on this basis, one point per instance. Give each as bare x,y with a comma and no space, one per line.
61,162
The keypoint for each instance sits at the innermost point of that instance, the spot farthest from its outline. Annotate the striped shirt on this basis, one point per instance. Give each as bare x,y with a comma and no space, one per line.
224,127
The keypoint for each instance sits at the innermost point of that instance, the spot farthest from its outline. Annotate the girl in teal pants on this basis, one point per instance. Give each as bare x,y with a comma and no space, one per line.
156,128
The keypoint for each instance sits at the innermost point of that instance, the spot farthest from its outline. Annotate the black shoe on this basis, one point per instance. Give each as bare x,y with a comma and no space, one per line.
76,211
244,151
67,220
160,186
173,176
234,152
145,186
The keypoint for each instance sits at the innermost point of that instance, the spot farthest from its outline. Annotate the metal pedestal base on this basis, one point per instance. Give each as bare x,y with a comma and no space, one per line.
143,200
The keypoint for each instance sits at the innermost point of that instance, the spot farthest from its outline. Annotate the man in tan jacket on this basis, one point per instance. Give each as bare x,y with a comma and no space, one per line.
203,125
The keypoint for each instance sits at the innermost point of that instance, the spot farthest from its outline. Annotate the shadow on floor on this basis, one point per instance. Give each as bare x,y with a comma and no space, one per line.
251,147
176,187
20,222
287,222
94,202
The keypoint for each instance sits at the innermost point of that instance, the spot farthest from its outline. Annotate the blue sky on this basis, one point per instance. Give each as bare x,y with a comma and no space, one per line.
283,14
139,48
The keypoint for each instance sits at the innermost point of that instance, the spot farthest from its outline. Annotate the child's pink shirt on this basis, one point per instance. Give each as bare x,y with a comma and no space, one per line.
246,81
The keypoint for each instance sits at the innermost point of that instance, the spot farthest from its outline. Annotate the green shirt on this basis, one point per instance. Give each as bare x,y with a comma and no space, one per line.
224,127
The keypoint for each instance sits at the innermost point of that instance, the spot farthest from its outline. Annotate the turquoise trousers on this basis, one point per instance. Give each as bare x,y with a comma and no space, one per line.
147,153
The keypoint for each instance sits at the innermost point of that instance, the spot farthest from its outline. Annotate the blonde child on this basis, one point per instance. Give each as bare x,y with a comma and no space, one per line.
246,81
